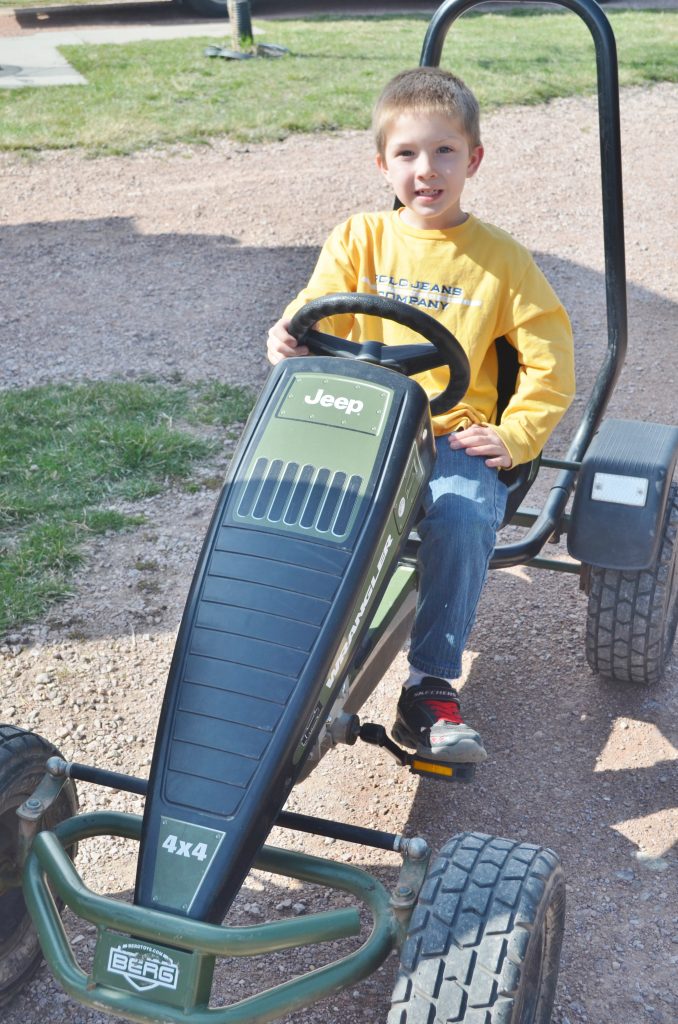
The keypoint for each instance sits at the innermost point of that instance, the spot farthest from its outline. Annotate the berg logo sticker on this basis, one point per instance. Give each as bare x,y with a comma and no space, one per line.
143,967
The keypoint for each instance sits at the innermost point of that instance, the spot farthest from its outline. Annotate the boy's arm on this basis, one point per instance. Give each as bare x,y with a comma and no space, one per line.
542,337
334,272
281,344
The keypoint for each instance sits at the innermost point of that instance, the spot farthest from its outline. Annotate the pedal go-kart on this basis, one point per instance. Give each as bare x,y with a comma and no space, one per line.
303,595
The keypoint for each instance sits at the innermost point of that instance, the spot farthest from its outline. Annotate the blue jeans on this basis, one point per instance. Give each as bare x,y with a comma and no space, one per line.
464,505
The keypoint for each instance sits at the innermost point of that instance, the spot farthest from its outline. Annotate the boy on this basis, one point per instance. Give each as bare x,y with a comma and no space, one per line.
481,284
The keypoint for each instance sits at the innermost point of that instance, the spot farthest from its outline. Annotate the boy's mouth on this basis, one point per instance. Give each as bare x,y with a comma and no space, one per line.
429,193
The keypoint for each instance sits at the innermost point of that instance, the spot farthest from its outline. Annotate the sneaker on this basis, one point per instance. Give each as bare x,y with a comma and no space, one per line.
429,719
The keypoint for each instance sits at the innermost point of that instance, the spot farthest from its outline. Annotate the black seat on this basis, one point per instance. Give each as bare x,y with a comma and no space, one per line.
518,479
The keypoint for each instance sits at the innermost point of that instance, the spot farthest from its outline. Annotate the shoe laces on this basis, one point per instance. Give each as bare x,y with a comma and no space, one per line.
445,710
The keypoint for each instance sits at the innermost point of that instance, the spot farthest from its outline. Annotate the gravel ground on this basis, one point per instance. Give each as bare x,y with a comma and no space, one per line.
175,263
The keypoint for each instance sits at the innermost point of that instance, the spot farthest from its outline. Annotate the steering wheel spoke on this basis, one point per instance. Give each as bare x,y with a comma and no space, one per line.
412,359
443,348
322,344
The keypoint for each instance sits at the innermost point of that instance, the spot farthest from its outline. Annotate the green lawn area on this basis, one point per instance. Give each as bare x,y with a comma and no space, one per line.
159,93
72,453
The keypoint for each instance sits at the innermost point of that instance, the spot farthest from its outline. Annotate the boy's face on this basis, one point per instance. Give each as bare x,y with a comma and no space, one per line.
426,161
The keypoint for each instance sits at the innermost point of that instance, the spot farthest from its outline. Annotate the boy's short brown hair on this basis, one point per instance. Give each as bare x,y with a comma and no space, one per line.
426,90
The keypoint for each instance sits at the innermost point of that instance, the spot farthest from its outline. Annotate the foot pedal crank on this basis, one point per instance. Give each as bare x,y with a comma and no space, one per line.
446,771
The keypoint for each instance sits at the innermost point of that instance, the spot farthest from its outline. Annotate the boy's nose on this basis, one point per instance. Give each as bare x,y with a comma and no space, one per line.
425,168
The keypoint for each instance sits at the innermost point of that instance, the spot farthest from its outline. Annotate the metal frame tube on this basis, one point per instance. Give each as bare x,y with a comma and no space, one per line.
340,830
48,860
613,234
390,841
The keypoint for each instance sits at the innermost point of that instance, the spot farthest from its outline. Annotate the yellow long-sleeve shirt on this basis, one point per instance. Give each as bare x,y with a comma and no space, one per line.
481,284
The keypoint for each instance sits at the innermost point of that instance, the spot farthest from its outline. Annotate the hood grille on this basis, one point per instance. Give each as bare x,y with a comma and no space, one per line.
320,500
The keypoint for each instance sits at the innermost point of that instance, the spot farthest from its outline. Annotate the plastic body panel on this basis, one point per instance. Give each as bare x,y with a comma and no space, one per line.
322,492
621,494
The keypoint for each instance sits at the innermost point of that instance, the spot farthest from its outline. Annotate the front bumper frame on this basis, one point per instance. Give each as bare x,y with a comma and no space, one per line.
48,869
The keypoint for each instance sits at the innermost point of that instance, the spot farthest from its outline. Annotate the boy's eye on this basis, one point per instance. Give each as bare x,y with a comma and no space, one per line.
446,149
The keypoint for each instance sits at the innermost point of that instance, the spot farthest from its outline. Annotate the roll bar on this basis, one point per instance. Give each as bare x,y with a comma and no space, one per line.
613,234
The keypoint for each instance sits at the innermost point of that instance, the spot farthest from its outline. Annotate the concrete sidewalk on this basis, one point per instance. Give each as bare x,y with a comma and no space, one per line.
35,60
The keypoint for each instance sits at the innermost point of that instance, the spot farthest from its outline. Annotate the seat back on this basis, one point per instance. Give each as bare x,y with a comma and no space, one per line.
518,479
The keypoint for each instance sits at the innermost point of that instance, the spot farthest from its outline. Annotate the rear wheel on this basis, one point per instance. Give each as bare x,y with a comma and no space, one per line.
23,756
632,616
483,946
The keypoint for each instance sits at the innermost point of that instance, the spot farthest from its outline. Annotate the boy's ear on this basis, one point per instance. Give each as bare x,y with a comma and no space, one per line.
475,160
381,164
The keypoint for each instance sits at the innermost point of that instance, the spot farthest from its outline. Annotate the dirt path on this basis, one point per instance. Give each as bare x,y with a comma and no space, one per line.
176,263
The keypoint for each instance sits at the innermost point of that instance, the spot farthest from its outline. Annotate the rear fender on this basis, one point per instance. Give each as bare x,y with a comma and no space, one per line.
621,495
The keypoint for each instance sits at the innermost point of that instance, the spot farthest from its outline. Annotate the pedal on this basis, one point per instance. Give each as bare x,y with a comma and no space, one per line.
445,771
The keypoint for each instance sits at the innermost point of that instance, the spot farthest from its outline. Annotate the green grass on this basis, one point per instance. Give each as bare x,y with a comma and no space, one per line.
70,453
160,93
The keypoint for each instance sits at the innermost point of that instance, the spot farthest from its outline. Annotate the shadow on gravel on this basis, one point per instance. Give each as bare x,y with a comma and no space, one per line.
201,305
156,305
582,766
535,701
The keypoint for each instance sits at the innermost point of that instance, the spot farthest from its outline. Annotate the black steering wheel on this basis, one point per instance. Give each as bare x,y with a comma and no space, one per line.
443,348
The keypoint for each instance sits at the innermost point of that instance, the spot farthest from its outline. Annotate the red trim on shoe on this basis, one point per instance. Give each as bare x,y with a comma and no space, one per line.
447,710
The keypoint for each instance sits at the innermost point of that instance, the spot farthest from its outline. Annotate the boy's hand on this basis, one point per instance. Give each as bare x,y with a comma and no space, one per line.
484,441
281,344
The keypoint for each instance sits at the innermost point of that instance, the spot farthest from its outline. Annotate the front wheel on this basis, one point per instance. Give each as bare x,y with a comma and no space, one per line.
23,756
632,616
483,946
